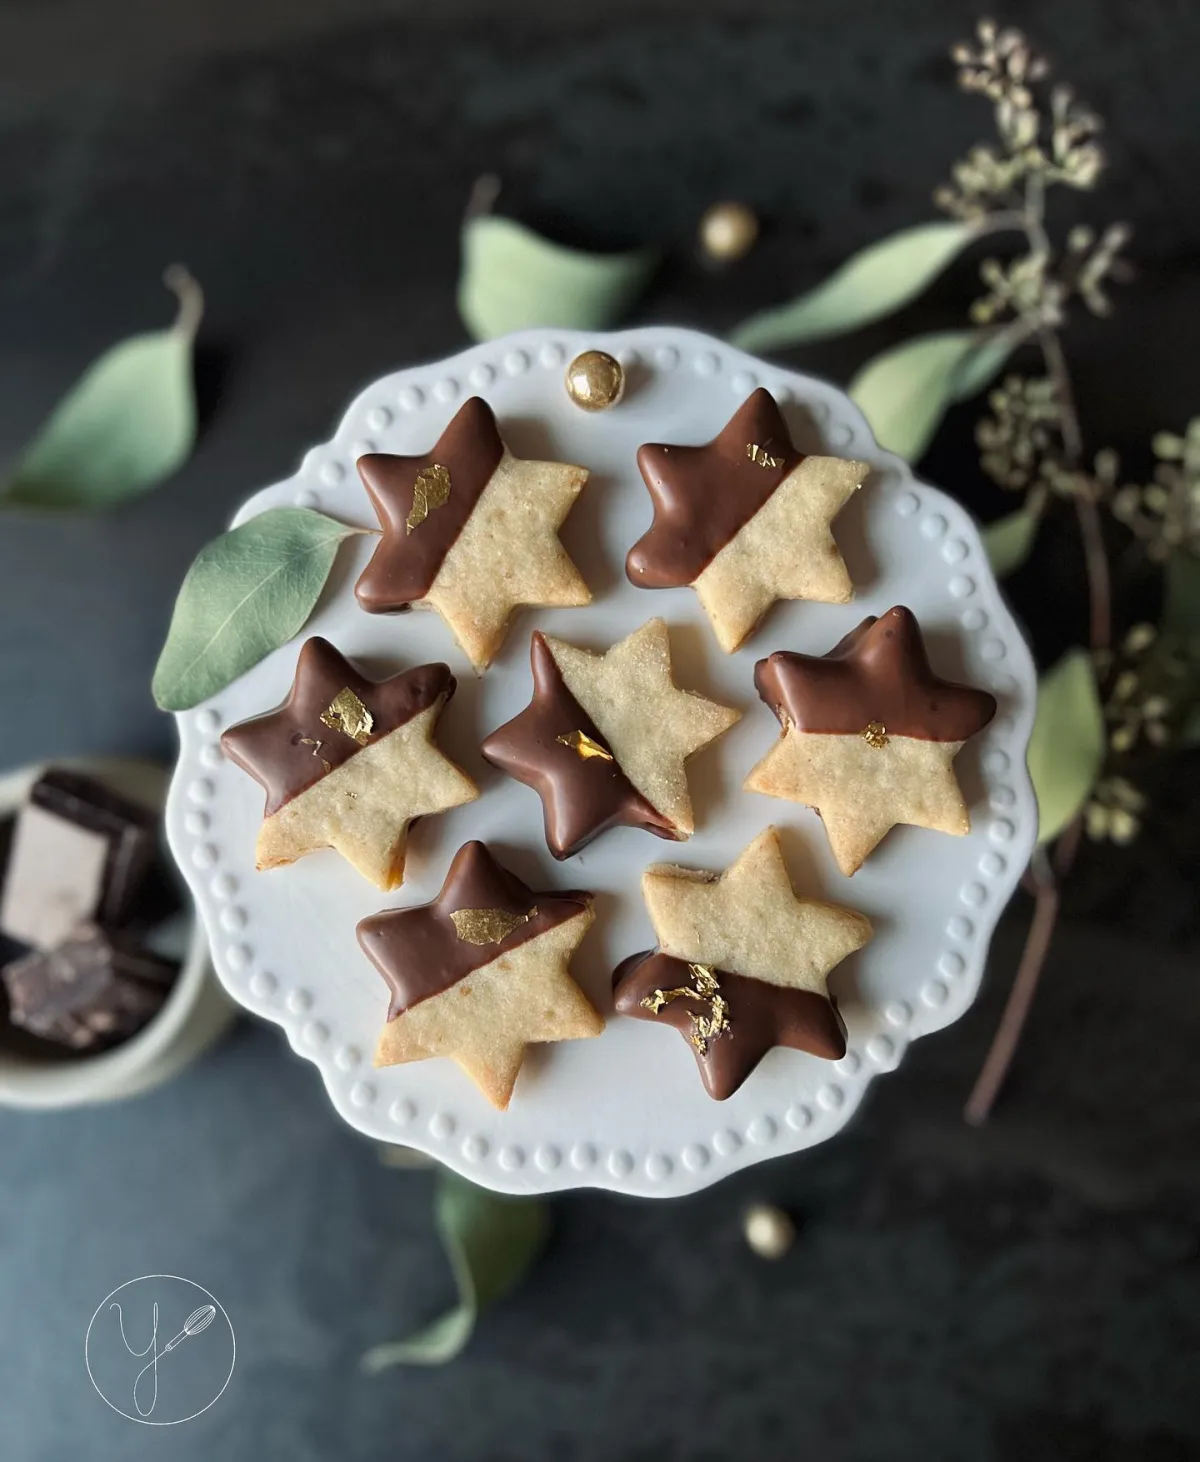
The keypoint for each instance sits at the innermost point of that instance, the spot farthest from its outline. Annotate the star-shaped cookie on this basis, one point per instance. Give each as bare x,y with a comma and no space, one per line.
870,734
742,964
471,531
745,520
605,738
481,972
348,762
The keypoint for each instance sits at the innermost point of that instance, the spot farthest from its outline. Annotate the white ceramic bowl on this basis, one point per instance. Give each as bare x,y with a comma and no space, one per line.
193,1015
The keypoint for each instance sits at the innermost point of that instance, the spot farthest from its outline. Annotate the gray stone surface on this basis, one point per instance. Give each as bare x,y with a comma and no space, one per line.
1028,1291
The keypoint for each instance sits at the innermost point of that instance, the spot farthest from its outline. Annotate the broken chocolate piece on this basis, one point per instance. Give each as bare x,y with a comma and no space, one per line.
90,992
79,852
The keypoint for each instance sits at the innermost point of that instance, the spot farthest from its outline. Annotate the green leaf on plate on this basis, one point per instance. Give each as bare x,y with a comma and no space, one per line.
513,279
1008,540
1066,749
491,1241
126,424
904,392
247,593
869,285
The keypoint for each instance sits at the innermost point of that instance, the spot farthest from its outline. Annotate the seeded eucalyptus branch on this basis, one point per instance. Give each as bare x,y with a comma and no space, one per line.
1032,442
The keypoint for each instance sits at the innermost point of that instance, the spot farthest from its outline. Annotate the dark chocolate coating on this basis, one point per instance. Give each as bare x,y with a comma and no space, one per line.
418,951
879,673
761,1015
290,749
405,563
703,496
580,797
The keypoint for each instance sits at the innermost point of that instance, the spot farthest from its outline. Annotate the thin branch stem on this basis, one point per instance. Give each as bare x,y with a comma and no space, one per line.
1056,368
1090,532
1067,847
1035,213
1043,877
1098,576
1014,219
1008,1034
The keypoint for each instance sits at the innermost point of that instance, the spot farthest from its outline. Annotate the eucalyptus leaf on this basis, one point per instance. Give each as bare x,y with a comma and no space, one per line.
1066,749
247,593
126,424
1009,540
868,286
904,392
983,364
512,279
491,1241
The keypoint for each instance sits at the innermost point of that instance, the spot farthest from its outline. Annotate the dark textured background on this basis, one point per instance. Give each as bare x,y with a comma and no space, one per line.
1028,1291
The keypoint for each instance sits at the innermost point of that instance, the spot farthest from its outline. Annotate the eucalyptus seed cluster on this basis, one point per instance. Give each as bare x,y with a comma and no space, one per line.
1091,261
1035,288
1048,138
1165,514
1151,684
1114,811
1022,433
1021,444
1023,289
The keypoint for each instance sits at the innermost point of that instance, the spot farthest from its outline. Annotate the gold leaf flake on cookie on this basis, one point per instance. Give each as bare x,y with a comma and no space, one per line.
745,520
586,746
487,926
347,714
347,763
471,531
431,489
481,1001
870,734
605,738
742,963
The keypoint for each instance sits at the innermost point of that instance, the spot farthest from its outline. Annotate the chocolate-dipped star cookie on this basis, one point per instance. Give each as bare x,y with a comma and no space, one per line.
471,531
742,964
744,520
481,972
605,738
348,762
870,734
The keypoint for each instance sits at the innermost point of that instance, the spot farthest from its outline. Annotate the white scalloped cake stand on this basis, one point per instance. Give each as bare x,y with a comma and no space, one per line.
625,1111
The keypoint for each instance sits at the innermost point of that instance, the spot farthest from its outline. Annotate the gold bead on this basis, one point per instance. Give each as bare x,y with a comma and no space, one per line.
728,231
595,381
769,1232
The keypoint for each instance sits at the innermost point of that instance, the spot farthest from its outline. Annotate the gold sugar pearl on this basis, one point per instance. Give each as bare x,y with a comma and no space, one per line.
728,232
595,381
768,1230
